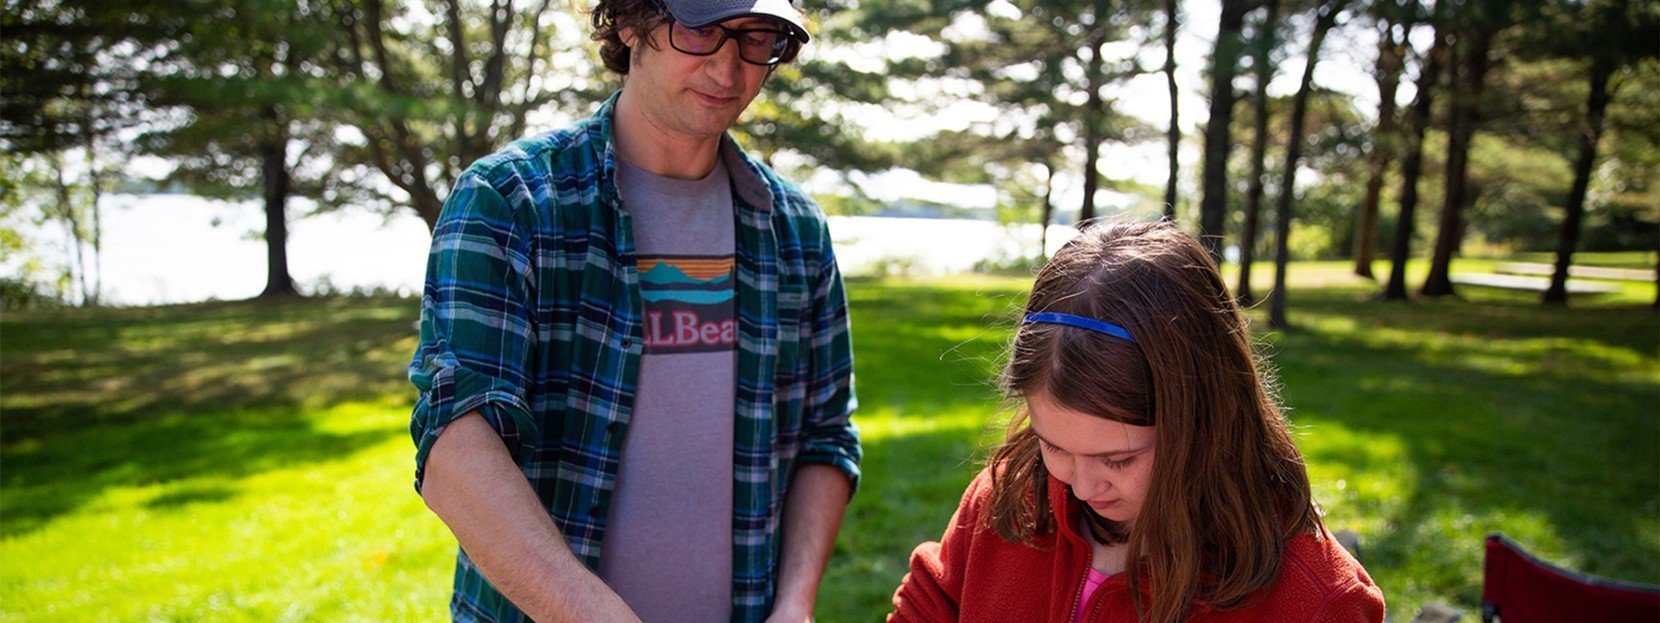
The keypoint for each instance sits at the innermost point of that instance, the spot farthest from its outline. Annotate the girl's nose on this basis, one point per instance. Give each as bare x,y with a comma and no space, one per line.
1087,487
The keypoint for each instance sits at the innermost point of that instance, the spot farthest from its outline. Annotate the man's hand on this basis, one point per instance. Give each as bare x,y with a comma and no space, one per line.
790,615
812,515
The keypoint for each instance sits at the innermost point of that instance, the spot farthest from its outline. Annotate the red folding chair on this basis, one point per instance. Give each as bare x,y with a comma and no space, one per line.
1517,587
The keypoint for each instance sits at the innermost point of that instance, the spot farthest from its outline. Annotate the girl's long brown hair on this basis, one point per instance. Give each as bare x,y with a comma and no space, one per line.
1229,487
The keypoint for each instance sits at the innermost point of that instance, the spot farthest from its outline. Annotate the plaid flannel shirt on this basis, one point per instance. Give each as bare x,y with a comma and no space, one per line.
532,317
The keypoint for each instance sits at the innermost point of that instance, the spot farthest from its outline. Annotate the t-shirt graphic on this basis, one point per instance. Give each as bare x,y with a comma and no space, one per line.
689,303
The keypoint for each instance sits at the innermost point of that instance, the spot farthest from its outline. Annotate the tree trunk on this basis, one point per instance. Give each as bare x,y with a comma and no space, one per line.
1293,154
275,176
95,296
1048,211
1568,236
1469,74
1391,59
75,264
1175,131
1262,60
1213,205
1092,121
1412,164
96,176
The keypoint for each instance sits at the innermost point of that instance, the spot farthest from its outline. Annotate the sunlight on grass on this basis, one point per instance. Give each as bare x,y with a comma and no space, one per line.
1499,354
1360,478
887,424
339,538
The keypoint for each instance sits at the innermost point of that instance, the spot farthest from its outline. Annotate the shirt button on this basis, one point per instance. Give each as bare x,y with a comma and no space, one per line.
613,427
627,343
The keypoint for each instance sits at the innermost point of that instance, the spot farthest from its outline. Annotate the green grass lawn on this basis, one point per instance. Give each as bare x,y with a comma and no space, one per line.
251,462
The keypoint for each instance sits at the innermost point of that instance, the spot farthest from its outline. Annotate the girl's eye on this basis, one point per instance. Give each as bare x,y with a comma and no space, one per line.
1118,464
1106,462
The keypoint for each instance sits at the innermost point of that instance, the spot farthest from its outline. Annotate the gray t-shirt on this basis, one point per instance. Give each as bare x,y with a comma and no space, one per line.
668,548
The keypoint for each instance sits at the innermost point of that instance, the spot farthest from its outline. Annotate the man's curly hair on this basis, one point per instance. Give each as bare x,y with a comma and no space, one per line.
610,17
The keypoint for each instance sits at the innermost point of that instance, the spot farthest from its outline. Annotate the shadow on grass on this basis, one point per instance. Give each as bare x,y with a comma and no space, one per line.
188,495
1497,430
66,370
192,457
1486,314
185,398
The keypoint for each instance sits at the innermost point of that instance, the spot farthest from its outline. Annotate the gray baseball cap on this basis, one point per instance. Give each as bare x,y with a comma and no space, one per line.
700,13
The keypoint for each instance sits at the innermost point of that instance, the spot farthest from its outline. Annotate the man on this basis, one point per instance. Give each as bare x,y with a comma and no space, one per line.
635,372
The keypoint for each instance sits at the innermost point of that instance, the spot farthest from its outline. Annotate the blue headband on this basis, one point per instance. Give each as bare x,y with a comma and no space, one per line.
1081,323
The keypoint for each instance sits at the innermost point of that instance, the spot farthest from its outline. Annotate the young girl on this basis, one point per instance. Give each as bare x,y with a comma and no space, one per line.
1149,475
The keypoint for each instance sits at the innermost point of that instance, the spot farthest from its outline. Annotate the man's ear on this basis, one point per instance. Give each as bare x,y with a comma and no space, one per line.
626,34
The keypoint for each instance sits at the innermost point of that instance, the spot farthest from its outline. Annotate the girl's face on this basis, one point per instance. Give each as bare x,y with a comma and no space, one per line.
1108,464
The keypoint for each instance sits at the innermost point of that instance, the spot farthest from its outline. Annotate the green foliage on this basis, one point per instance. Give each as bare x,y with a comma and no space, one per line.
854,204
42,193
1331,187
427,88
1521,192
1626,187
238,75
70,69
809,109
25,282
1034,64
1010,265
1536,108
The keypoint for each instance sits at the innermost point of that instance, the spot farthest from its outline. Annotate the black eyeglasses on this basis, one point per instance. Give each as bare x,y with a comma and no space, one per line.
756,46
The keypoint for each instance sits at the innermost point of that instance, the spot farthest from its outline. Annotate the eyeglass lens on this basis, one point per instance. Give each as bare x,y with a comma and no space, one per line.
761,46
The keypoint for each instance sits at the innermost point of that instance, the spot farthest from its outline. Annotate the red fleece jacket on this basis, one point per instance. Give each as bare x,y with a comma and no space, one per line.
974,575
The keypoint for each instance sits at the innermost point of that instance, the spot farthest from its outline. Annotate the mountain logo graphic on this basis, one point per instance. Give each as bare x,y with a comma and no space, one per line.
695,280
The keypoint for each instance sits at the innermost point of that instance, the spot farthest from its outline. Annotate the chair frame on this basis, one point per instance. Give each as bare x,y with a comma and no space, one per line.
1491,610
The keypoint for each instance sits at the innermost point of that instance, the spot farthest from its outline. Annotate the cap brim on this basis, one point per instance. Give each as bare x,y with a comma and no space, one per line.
700,13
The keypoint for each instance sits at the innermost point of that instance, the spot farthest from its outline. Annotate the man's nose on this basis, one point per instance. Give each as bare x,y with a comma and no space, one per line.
723,66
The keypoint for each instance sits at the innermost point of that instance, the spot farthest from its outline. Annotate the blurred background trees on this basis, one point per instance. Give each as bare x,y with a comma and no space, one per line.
1528,126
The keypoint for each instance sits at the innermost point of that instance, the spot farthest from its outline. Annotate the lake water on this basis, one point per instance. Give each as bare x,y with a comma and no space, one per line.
178,248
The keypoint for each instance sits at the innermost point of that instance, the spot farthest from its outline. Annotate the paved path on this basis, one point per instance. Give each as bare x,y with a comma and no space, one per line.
1531,284
1588,272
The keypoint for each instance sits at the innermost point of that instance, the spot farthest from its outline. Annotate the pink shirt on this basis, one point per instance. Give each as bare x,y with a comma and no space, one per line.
1090,584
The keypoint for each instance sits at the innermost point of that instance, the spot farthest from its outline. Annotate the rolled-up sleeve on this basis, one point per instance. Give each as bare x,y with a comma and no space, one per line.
829,436
476,323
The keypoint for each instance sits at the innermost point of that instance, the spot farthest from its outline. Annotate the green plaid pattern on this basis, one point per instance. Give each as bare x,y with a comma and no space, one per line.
532,316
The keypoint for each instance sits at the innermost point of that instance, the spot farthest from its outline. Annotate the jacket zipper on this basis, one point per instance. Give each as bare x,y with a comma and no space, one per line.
1077,596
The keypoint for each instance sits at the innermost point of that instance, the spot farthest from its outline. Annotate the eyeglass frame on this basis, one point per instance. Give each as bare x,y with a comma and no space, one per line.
784,52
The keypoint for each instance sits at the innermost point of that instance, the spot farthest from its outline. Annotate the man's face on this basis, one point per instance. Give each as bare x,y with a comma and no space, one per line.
695,97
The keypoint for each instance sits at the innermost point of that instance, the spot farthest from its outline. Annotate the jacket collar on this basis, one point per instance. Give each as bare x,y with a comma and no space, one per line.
1066,514
1064,510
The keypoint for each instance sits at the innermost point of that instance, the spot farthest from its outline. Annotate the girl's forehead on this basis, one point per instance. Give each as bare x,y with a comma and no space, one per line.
1082,433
